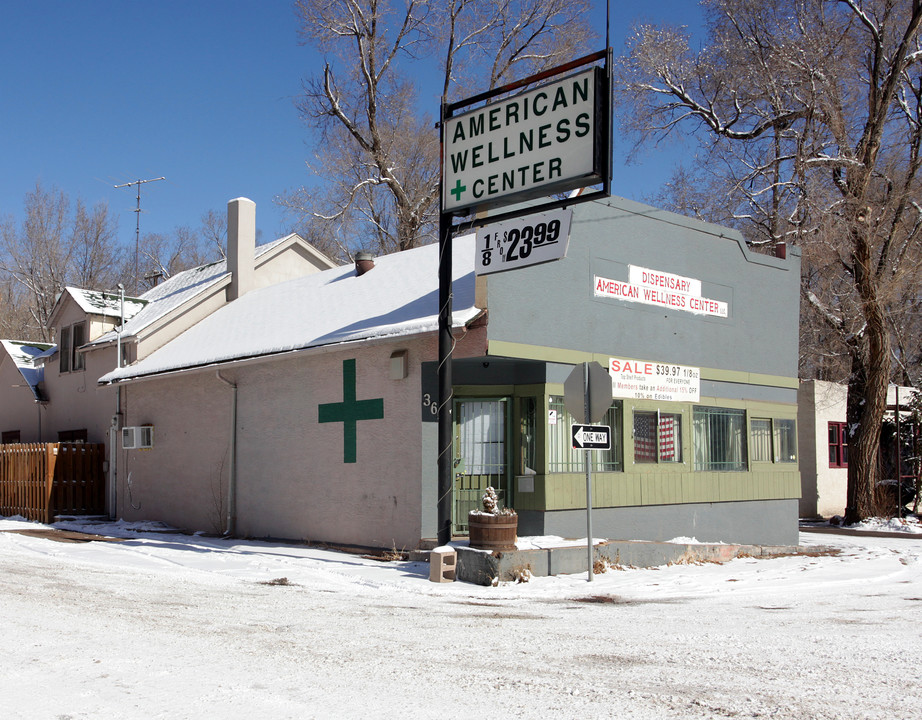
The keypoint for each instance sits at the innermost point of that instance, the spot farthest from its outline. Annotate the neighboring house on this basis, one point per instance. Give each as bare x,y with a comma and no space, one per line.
85,322
23,397
823,439
77,409
307,409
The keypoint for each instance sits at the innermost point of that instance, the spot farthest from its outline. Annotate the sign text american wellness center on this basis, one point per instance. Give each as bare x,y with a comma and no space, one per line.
523,146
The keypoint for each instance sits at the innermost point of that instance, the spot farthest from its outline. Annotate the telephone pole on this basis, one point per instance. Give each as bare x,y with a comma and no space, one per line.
137,227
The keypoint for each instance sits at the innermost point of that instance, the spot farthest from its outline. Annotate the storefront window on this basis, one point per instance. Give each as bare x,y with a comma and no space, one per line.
561,455
720,439
760,432
785,441
528,411
657,437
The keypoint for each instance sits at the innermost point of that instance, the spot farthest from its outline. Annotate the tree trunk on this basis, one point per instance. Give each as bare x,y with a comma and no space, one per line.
867,390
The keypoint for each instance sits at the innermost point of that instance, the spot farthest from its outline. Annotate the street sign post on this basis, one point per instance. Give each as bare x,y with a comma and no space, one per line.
505,149
587,381
587,395
591,437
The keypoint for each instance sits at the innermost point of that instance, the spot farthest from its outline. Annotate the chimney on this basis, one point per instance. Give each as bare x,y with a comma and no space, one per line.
241,246
364,261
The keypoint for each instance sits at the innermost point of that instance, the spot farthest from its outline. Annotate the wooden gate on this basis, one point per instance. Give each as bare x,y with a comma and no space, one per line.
41,480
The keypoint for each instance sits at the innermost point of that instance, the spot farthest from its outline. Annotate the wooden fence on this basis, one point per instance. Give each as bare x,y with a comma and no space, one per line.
41,480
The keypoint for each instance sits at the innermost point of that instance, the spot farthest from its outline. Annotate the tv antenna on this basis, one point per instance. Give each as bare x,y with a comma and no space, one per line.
137,227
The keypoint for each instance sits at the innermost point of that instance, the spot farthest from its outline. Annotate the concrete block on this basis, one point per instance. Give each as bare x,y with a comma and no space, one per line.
443,563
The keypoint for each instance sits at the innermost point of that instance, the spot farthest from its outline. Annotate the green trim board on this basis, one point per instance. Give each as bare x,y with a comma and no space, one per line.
567,491
663,483
642,484
501,348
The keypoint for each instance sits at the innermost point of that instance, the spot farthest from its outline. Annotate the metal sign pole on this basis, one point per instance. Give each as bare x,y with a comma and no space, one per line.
445,479
587,455
899,463
445,383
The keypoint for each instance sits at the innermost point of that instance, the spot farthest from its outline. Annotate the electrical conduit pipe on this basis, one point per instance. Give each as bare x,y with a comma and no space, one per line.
231,527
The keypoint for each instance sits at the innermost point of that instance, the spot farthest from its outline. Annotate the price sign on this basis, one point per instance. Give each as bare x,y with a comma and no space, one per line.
647,380
524,241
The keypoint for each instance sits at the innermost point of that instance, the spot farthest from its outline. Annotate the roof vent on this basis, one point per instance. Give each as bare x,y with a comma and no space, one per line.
364,261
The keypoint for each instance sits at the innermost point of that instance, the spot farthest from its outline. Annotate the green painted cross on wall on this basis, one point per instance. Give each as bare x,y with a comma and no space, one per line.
350,411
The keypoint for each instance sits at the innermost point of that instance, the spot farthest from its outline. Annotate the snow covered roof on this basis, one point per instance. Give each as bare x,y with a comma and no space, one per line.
94,302
23,355
398,297
176,291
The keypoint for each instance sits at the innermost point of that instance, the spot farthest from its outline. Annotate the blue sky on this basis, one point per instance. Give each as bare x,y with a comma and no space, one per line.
103,92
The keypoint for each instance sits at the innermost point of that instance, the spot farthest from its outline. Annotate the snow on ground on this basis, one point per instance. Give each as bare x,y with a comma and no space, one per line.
163,625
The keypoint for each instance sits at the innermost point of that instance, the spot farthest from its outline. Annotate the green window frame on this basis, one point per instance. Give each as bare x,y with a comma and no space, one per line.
760,440
719,439
772,440
563,458
657,437
785,437
528,429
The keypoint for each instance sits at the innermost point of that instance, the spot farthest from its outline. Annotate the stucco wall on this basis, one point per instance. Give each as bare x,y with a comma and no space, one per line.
824,488
75,401
553,305
297,261
18,409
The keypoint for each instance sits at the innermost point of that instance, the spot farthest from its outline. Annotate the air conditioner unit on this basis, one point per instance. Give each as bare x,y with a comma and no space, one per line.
138,438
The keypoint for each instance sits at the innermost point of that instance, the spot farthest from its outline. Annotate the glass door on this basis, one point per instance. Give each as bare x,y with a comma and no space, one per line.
480,455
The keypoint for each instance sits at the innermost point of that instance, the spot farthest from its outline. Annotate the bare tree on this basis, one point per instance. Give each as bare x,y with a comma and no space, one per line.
214,232
53,248
164,255
96,251
810,115
15,320
377,154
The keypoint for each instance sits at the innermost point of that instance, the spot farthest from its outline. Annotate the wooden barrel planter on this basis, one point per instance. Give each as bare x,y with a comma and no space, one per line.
492,532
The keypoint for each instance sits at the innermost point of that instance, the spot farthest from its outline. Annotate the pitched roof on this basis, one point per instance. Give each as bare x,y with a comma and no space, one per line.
94,302
176,290
23,354
398,297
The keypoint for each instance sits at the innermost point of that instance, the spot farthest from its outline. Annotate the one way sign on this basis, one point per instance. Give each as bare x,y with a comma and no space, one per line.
591,437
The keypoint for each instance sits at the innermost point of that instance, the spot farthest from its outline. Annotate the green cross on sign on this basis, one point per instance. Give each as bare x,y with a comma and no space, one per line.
457,190
350,411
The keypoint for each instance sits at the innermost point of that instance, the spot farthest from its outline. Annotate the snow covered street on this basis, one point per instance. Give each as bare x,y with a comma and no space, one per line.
172,626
